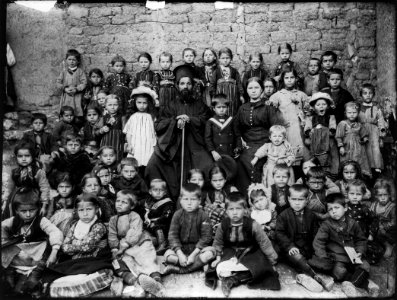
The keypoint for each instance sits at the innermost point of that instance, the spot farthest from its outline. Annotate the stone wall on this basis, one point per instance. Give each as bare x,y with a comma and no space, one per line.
100,31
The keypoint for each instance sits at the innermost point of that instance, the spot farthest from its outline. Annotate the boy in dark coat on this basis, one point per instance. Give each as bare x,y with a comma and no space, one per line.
219,134
331,244
337,93
296,228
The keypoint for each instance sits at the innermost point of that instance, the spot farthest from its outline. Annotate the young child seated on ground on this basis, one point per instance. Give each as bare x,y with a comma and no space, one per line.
159,210
127,238
336,236
244,253
190,235
29,243
263,210
296,228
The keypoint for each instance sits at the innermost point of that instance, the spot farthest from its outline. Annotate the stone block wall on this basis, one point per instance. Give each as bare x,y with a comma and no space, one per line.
101,31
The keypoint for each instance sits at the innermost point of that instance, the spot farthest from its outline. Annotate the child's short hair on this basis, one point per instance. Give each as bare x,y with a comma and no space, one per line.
217,170
25,196
102,92
96,71
316,172
99,167
220,99
75,53
336,71
24,145
338,198
118,58
329,53
258,55
73,138
356,166
299,188
194,171
130,195
161,182
191,188
213,52
146,55
235,197
352,104
315,59
367,86
314,160
382,184
63,177
357,183
271,80
103,148
39,116
227,51
278,128
284,46
112,96
127,161
189,49
165,54
281,168
258,80
64,109
87,197
95,107
88,176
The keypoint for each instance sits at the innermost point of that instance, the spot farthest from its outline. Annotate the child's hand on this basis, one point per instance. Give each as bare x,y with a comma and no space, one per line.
267,227
114,253
293,251
342,151
216,155
191,258
51,259
105,128
182,258
180,124
254,161
370,237
216,262
242,99
43,210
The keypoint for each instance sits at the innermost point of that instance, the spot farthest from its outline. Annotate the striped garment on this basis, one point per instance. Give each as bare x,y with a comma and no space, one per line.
141,135
81,284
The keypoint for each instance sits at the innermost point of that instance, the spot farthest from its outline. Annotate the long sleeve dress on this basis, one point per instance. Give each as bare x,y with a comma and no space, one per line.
291,104
206,72
226,80
119,84
114,137
78,79
252,124
166,86
351,136
371,118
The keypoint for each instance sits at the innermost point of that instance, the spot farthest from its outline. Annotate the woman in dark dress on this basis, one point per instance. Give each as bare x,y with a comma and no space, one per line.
252,124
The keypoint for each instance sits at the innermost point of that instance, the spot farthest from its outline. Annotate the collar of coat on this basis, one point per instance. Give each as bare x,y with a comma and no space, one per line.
219,124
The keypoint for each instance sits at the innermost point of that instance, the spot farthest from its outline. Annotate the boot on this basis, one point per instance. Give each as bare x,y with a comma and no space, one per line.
171,269
34,278
211,278
227,284
128,278
162,242
327,283
156,276
360,278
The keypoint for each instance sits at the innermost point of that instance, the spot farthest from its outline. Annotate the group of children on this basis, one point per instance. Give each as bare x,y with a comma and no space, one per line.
104,214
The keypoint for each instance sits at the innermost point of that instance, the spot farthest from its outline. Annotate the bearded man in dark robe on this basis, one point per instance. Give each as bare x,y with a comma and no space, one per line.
187,113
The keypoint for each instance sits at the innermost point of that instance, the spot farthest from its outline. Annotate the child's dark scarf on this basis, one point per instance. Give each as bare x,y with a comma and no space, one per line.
225,191
25,176
246,240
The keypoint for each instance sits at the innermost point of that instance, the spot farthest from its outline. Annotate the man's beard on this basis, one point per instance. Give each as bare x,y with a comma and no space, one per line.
186,95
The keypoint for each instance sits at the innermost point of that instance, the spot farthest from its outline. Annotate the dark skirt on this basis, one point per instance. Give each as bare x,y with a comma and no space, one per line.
246,173
115,139
263,275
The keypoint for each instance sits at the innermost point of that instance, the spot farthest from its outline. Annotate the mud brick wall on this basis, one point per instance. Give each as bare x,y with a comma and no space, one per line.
100,31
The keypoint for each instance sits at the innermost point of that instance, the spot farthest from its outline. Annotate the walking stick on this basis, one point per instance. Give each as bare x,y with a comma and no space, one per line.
183,154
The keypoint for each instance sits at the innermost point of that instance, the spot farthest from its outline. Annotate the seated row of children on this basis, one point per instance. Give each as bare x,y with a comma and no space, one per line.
109,217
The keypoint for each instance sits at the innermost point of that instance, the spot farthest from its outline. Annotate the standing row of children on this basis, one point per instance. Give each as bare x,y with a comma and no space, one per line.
114,209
